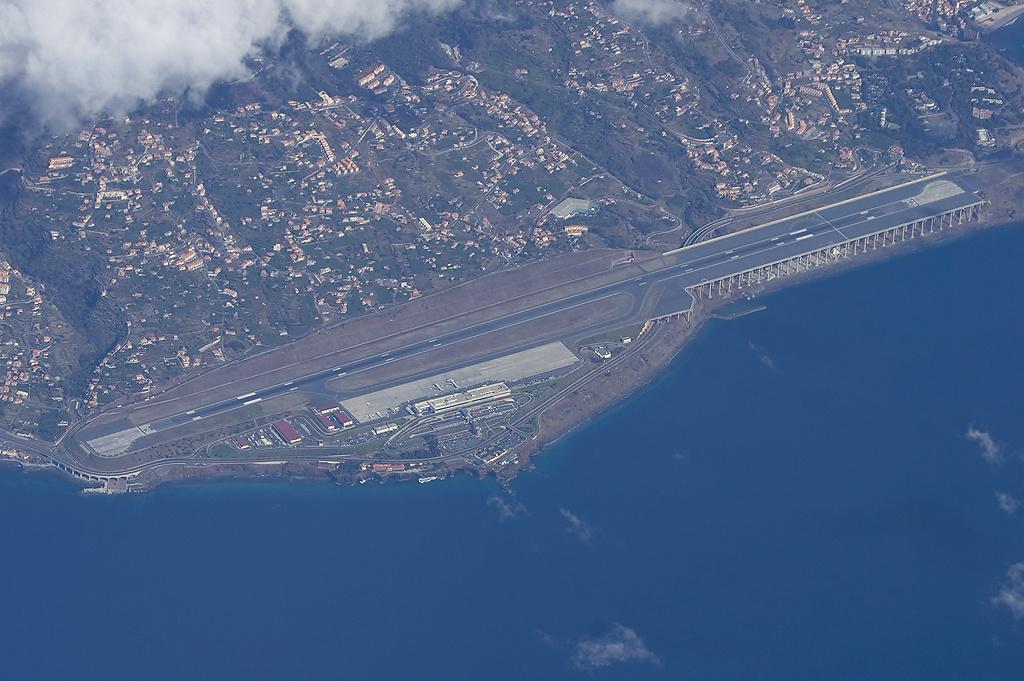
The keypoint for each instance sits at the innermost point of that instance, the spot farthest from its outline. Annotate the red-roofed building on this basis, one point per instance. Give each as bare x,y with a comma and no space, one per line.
331,416
388,467
287,432
327,422
344,419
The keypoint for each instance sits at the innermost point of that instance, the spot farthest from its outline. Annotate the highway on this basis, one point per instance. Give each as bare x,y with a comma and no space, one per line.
684,268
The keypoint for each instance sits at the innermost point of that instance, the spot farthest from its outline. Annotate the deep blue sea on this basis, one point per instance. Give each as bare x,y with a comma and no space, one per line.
797,498
1010,39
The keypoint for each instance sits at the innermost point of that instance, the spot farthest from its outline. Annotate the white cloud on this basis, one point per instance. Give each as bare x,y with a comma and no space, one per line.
577,527
1011,595
621,644
546,638
652,11
507,509
84,57
762,356
1007,502
990,449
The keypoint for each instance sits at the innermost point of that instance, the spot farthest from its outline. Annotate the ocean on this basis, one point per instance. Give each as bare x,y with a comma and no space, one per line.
1010,39
820,490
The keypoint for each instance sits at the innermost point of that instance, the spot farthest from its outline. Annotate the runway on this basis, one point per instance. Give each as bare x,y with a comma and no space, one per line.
681,269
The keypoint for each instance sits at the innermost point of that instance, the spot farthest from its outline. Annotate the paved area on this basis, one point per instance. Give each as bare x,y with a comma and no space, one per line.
541,360
677,270
116,443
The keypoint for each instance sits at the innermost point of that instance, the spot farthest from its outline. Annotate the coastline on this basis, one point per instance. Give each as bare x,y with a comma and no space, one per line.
611,389
1005,17
719,480
586,392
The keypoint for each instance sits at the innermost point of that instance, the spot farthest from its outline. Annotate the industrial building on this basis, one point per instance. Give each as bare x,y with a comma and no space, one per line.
325,408
331,416
329,424
287,432
385,429
483,393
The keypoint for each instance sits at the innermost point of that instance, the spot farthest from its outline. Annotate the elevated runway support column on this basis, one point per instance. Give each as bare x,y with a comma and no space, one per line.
835,252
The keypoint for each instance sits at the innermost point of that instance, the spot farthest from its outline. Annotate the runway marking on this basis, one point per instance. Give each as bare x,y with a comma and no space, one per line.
833,226
624,282
615,288
895,189
531,318
799,231
777,245
639,278
501,328
245,396
719,264
254,401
